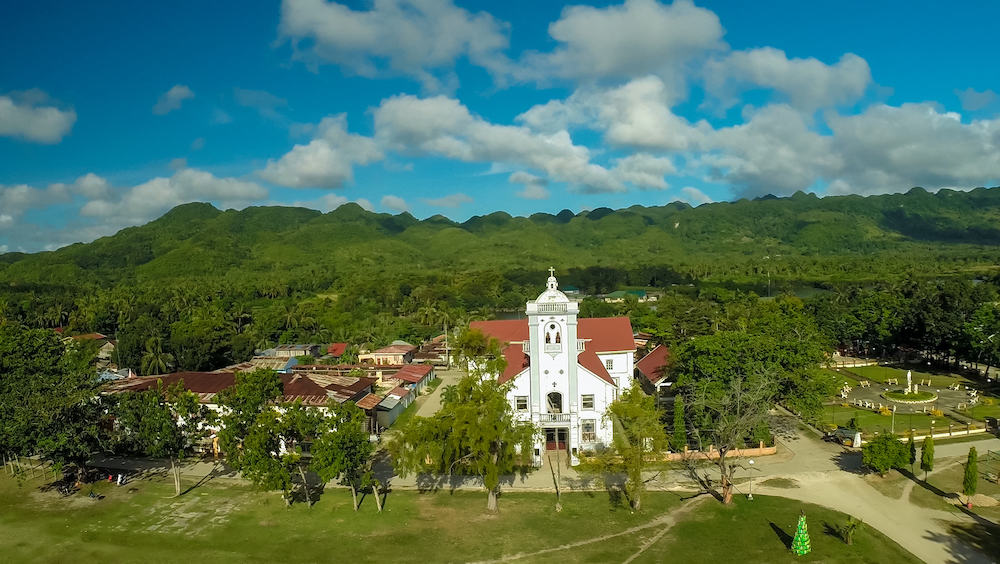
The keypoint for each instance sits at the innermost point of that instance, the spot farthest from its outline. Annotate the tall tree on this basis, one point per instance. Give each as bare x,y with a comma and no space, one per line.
342,450
49,402
639,437
253,393
970,482
162,423
927,455
476,430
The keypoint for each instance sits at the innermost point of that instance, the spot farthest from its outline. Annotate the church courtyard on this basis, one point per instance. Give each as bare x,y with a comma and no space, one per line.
225,521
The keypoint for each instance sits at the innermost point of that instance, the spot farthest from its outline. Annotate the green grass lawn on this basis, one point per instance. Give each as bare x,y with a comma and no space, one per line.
870,421
225,521
882,373
948,481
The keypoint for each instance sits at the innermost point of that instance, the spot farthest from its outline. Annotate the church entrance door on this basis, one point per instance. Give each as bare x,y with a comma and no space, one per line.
556,438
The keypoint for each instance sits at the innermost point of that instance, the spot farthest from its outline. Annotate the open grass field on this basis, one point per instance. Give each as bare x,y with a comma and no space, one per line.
224,521
869,421
882,373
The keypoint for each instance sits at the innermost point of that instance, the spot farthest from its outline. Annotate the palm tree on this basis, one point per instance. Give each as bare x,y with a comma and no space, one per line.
240,318
156,360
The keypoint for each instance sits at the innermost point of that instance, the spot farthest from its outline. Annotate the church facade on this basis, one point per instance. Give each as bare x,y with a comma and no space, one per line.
564,370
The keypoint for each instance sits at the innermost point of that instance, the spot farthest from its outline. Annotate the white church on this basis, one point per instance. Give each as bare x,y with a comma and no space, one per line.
565,371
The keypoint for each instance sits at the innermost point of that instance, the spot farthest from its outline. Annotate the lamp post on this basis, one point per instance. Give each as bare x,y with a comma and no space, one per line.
750,494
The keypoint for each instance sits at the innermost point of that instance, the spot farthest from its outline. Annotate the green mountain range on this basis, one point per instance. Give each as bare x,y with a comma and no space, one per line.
802,237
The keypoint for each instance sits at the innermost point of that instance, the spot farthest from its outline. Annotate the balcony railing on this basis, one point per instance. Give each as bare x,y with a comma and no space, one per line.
553,347
581,345
551,308
553,417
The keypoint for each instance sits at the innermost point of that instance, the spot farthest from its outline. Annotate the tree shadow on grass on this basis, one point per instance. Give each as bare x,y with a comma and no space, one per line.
850,461
784,537
833,531
962,539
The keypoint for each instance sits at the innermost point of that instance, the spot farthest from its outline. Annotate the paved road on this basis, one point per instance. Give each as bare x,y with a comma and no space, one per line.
428,405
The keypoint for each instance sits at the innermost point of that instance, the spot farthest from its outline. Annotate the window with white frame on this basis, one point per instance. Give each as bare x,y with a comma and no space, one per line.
521,403
588,430
587,401
609,364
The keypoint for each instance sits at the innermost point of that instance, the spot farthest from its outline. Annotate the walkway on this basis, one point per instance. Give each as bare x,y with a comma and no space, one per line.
429,405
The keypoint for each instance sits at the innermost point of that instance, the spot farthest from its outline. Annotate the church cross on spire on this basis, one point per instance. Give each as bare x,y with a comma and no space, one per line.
552,271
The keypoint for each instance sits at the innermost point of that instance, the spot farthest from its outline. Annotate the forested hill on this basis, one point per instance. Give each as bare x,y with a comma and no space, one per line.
802,237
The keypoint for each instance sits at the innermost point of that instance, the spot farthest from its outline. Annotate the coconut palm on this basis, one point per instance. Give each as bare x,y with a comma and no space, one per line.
155,360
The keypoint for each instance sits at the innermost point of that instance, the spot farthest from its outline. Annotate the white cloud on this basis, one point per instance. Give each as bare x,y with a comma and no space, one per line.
973,100
327,161
30,116
775,152
178,163
890,149
694,196
418,38
154,197
534,186
449,201
443,126
394,203
624,41
636,114
172,99
265,103
645,170
198,144
15,200
807,83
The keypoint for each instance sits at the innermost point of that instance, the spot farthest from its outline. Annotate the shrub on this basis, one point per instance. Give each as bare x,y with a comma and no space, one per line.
884,453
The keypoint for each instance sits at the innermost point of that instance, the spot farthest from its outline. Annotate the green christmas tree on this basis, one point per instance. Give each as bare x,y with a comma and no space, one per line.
800,544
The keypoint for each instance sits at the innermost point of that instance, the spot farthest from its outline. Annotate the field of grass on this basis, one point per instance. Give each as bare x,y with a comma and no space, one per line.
869,421
225,521
948,481
882,373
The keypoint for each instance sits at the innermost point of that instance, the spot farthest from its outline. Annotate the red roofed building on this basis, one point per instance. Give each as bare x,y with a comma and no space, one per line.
565,371
651,371
336,350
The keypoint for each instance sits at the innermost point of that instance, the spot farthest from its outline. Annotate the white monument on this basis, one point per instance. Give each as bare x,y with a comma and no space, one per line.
909,382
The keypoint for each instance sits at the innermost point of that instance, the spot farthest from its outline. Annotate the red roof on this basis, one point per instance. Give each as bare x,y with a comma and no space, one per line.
517,361
368,402
207,384
413,372
399,391
505,330
651,366
90,337
588,359
605,334
336,349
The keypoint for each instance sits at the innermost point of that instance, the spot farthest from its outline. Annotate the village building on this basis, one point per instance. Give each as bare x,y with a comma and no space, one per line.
564,370
396,354
290,351
651,372
313,390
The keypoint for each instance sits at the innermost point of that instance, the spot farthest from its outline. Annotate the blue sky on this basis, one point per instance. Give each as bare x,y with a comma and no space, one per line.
111,113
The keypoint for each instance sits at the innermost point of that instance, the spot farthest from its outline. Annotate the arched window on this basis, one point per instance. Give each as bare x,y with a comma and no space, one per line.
555,402
548,337
557,337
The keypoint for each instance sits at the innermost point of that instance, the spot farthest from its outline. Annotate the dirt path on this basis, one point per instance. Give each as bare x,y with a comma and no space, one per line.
666,521
927,533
